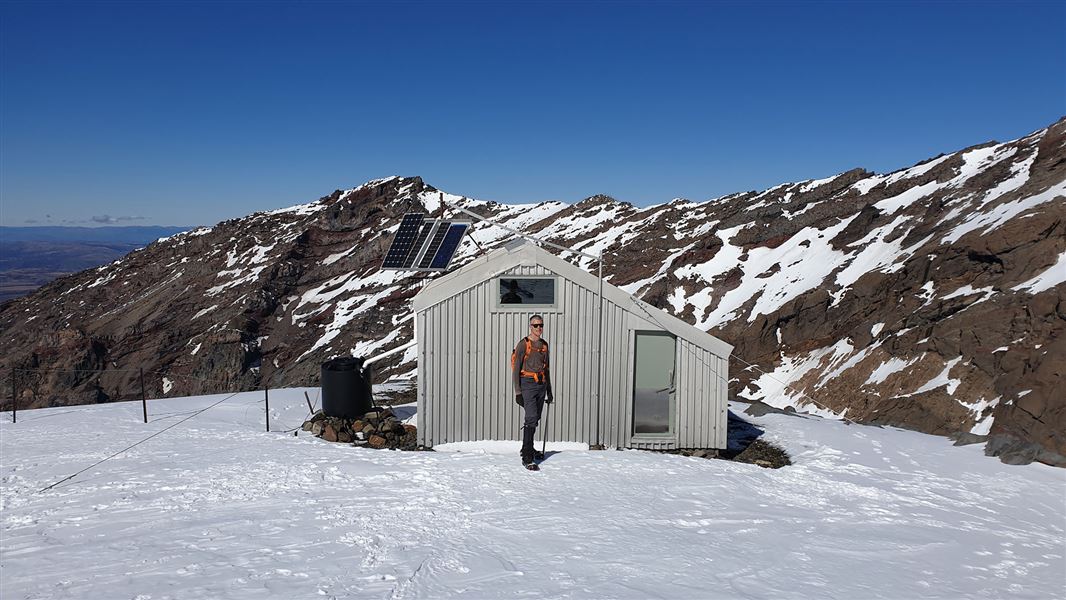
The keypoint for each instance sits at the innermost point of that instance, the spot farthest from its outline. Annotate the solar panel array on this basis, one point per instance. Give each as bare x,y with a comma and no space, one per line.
424,245
403,242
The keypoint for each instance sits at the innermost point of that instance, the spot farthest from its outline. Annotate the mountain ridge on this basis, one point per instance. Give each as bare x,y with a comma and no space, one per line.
923,298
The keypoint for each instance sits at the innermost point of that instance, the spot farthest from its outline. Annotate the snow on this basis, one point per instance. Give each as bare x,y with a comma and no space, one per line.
103,279
1053,276
979,159
940,380
916,170
910,196
506,447
218,508
775,388
301,209
1002,213
514,216
876,254
167,385
816,183
968,290
332,258
369,348
866,184
803,260
982,425
890,366
347,309
1019,176
201,313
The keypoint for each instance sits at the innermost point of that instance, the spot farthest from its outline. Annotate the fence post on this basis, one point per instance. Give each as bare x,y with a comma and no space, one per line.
14,399
144,399
266,396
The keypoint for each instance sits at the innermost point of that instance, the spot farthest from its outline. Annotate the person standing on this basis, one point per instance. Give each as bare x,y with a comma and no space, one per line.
531,377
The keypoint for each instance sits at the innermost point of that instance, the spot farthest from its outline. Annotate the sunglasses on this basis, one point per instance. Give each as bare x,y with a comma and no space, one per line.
538,325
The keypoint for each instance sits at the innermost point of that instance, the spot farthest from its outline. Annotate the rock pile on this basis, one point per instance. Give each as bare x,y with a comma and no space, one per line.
379,428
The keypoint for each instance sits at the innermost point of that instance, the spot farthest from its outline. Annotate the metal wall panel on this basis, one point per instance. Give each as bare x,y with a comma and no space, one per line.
464,382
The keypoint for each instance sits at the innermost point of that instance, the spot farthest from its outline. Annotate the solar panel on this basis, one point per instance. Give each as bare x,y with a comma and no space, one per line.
420,241
449,245
434,243
424,244
404,242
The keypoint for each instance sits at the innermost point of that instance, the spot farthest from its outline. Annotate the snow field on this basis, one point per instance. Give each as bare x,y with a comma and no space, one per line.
216,507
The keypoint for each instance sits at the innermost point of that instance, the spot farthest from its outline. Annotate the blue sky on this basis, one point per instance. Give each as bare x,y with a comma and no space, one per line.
190,113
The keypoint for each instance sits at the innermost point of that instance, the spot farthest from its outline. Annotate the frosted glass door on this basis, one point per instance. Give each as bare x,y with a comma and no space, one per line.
653,383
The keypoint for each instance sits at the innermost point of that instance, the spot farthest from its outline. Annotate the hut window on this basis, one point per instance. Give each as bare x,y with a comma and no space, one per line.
526,291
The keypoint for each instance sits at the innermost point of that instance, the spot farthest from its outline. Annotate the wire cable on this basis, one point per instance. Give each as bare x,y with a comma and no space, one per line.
69,477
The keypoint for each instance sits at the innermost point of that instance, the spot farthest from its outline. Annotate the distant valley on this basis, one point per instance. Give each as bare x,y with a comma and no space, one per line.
32,256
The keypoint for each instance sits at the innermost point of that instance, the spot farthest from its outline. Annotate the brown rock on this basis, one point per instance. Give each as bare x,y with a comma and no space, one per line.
329,433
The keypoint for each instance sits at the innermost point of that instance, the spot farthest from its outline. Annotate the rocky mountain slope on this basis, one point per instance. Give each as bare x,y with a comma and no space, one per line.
931,298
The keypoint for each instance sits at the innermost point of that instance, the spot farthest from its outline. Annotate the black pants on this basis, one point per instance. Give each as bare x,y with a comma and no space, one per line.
533,396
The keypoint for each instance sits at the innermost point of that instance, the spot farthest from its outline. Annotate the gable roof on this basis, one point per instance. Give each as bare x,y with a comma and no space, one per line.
525,253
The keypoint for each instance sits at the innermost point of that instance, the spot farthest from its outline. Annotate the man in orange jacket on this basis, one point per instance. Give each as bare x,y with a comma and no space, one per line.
532,384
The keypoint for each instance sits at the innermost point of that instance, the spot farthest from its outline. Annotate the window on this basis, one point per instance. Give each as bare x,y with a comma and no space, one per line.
521,292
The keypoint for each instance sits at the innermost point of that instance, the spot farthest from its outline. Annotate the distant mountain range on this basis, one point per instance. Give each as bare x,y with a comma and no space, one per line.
931,298
33,256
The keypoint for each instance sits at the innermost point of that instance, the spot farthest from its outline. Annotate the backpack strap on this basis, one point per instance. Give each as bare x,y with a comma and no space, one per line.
537,376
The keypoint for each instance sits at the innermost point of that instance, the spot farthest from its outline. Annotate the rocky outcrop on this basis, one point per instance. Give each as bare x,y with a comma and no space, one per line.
931,298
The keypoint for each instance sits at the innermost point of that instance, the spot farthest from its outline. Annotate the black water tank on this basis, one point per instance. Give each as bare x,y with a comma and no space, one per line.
346,388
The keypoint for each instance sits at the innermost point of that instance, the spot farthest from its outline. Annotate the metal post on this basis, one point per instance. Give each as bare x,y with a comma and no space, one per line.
266,396
599,352
14,399
144,398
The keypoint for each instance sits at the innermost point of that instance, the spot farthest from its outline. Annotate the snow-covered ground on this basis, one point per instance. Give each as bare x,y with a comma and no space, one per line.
218,508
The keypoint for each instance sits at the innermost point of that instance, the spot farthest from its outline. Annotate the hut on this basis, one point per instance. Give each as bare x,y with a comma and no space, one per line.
644,379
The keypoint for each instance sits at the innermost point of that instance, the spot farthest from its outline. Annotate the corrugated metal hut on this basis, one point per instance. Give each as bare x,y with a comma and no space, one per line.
661,383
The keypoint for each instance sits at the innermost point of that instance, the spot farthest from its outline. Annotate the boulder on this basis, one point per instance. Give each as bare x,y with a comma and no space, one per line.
329,433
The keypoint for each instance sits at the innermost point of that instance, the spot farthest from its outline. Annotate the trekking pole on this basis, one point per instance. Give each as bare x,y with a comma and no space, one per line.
544,437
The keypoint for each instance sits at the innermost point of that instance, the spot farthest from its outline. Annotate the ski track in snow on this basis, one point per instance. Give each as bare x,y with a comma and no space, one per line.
218,508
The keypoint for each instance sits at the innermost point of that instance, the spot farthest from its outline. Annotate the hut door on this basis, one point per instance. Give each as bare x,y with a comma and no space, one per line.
653,383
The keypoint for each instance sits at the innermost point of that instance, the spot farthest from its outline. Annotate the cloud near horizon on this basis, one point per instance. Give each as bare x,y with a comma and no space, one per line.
108,219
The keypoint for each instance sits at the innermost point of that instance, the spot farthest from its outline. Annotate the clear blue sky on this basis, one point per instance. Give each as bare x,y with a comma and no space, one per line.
190,113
